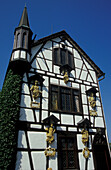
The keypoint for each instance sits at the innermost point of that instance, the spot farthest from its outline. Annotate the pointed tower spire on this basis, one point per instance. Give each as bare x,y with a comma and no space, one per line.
24,18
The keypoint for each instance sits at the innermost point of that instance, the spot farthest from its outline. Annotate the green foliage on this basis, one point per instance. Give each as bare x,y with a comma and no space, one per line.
9,114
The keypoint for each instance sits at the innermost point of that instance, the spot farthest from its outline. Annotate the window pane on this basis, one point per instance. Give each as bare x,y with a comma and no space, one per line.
66,102
63,60
71,161
56,57
63,159
54,101
70,142
76,104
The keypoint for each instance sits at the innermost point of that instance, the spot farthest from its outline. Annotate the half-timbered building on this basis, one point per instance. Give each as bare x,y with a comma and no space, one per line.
61,122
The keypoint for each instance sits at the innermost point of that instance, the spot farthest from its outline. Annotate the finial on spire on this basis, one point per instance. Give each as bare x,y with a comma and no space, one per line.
24,19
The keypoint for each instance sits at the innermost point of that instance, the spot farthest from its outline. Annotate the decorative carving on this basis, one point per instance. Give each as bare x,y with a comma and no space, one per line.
66,78
35,90
92,103
86,152
50,137
85,136
35,104
50,152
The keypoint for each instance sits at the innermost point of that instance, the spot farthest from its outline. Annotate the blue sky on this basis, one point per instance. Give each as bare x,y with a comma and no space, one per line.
88,22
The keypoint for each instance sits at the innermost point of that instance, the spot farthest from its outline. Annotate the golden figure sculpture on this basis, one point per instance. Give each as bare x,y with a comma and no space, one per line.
85,136
50,133
92,100
35,90
49,169
66,78
50,152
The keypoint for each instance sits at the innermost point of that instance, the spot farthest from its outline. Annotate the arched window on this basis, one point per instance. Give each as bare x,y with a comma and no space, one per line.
62,57
24,40
18,40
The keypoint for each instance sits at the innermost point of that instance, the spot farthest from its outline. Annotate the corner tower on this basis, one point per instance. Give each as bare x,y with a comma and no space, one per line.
20,58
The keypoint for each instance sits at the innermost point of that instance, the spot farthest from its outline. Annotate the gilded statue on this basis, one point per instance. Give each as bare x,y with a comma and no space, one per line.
35,90
86,152
85,136
50,137
66,78
92,100
50,152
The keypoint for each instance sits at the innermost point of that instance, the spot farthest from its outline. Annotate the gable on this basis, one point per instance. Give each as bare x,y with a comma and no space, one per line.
69,42
42,59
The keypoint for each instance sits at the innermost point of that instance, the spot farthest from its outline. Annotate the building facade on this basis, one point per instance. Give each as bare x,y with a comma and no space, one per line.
61,123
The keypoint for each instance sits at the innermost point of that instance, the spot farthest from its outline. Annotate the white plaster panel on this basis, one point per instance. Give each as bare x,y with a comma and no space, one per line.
53,162
99,122
44,103
40,71
16,55
94,84
39,160
85,109
26,115
83,90
48,45
22,139
86,117
84,67
76,54
87,64
49,63
37,113
25,77
23,54
79,81
67,119
56,69
37,126
99,111
84,99
54,81
25,88
68,43
77,73
61,128
25,101
69,49
60,76
79,141
22,162
83,75
89,78
90,144
78,63
44,114
31,74
37,140
82,161
42,64
34,50
47,54
92,130
75,85
56,44
77,119
72,74
90,162
50,74
35,64
40,55
46,83
98,102
93,75
88,87
45,92
57,39
72,129
63,84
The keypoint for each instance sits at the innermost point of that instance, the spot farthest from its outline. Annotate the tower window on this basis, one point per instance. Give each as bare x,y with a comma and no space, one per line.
18,40
65,99
24,40
62,56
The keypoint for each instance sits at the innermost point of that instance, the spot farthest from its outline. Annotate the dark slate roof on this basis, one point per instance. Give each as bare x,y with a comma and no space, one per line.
74,44
24,19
